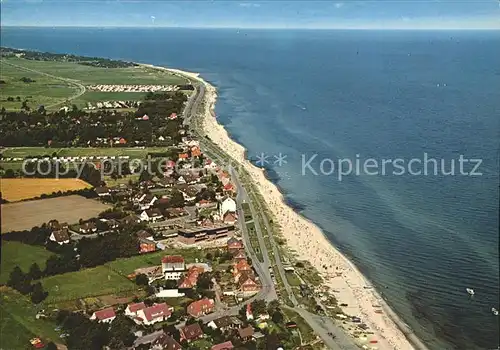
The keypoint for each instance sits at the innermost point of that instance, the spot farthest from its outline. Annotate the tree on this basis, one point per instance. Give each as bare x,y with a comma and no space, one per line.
141,280
273,306
258,307
38,294
35,271
170,284
19,281
277,317
205,281
177,199
209,256
121,336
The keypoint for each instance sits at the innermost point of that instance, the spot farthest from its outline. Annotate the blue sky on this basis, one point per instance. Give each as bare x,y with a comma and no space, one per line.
366,14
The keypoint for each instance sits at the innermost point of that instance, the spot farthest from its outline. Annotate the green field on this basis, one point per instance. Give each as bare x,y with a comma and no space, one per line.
126,266
21,152
18,323
89,282
44,91
66,80
22,255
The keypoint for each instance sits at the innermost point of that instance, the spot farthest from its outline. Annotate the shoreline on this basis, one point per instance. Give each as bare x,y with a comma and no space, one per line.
389,330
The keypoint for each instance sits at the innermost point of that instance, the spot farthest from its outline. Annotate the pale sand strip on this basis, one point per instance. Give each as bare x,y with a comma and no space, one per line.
310,244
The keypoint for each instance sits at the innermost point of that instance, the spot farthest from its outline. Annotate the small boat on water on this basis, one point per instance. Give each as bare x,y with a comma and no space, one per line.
470,291
495,311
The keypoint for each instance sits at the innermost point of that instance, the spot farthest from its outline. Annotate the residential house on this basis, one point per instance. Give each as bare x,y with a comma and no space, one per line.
130,220
132,309
191,179
229,218
147,184
144,200
105,315
205,204
173,266
183,156
246,333
224,323
195,151
227,205
147,338
234,245
102,191
87,228
60,236
143,234
111,223
191,279
146,246
248,284
151,215
191,332
248,313
223,346
153,314
166,182
165,342
239,255
56,225
241,266
201,307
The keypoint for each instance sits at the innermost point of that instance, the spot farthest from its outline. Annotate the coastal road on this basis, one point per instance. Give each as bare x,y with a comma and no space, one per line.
81,88
333,336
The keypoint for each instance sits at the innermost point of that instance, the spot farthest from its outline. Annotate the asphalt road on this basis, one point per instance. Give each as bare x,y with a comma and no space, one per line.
333,336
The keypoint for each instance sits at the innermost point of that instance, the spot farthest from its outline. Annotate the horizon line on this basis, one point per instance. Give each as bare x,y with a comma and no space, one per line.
257,28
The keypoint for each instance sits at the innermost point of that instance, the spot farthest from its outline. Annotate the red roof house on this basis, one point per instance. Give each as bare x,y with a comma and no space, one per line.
223,346
104,315
200,307
132,309
191,332
154,314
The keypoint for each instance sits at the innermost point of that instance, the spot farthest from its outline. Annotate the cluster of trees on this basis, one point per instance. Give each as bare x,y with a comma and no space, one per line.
79,128
35,236
100,250
27,80
21,282
84,334
47,56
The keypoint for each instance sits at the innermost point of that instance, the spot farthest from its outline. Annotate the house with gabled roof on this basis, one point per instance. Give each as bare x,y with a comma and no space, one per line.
201,307
151,215
228,345
153,314
224,323
239,255
165,342
105,315
191,332
132,309
60,236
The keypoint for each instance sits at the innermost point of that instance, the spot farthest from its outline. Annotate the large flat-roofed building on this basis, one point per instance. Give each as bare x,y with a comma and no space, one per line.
204,233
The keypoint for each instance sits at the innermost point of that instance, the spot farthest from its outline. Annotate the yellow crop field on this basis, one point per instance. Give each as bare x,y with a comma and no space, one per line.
18,189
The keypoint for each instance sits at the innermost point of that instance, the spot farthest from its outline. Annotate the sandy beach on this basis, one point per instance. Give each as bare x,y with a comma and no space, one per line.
341,277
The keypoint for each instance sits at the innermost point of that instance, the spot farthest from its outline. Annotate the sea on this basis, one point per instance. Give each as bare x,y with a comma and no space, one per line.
308,103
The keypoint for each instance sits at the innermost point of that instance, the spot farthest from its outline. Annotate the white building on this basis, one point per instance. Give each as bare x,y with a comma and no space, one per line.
173,267
227,205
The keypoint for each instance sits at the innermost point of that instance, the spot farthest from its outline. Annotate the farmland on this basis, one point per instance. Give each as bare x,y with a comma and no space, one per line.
56,82
22,255
89,282
21,152
25,215
18,323
19,189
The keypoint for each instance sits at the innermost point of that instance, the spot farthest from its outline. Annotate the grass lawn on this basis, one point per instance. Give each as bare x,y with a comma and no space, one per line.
305,330
43,91
124,180
89,282
202,344
126,266
21,152
88,75
292,279
18,323
22,255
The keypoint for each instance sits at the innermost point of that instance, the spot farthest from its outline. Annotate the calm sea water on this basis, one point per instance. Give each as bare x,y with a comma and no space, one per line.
421,239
